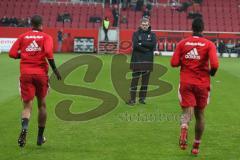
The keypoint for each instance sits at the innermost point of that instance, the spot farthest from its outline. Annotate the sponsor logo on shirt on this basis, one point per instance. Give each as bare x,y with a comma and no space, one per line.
33,37
33,47
195,44
193,54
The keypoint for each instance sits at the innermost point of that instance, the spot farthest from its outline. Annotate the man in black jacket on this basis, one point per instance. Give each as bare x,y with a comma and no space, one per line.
221,47
144,44
115,14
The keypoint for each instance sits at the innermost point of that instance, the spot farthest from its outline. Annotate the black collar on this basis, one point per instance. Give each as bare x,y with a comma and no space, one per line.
37,29
147,31
197,34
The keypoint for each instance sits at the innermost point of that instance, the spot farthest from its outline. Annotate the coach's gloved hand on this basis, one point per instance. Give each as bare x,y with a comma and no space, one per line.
59,77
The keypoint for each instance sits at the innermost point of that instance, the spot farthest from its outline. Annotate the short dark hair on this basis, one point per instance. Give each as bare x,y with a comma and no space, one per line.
198,25
36,21
144,19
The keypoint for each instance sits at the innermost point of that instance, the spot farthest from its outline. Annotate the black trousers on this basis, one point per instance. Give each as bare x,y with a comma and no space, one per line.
106,34
144,75
115,21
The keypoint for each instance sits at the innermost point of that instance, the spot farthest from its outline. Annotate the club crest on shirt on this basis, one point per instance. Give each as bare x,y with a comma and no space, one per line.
149,37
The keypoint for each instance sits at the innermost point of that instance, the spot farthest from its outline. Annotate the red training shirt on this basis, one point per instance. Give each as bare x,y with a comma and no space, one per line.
193,55
34,47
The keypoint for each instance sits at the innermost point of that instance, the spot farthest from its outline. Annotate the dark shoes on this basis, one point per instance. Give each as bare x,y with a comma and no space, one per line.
142,101
133,102
41,140
22,138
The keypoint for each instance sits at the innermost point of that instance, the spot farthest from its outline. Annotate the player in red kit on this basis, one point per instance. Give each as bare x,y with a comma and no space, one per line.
193,55
33,48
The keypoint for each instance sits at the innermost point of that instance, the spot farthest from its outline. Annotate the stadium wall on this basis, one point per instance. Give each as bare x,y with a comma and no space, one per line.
69,34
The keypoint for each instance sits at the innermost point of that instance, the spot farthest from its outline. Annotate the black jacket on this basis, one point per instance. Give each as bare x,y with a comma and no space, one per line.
221,47
144,44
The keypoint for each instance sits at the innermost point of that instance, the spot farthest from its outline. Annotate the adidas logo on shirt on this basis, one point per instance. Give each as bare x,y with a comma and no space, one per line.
193,54
33,47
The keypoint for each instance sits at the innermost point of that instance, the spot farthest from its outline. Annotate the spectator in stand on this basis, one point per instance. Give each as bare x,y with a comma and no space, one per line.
124,20
125,4
221,47
139,5
149,5
146,13
237,48
67,17
64,17
230,46
184,6
59,18
106,25
4,21
60,40
115,1
21,22
13,22
175,4
29,22
115,14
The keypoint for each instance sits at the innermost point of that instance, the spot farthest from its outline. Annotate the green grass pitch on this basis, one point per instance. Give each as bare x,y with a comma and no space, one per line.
111,137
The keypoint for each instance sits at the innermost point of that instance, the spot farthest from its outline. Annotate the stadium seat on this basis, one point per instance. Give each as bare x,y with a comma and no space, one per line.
161,46
169,46
74,24
59,24
123,26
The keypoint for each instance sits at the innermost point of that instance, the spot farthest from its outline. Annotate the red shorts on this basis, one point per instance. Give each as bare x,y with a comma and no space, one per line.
32,85
193,95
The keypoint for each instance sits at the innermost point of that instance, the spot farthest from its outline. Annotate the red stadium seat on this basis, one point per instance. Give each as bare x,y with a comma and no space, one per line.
97,25
74,25
169,46
67,25
161,46
123,26
59,24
